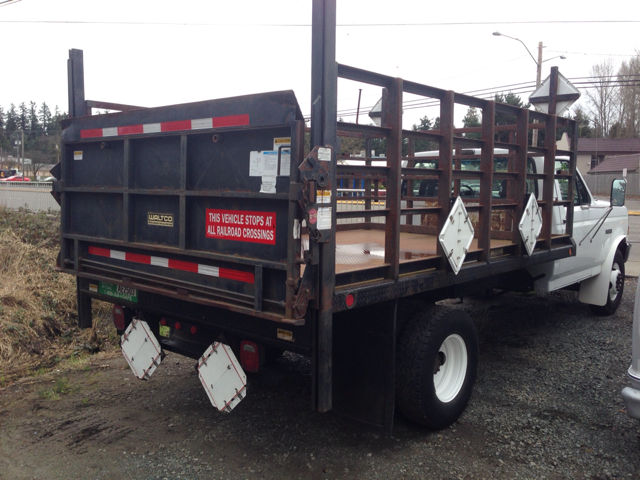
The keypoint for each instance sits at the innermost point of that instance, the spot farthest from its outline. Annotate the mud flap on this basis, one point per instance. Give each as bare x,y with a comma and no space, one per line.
364,348
85,320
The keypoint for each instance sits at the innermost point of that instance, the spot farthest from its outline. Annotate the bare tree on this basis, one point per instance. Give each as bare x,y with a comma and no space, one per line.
603,97
629,97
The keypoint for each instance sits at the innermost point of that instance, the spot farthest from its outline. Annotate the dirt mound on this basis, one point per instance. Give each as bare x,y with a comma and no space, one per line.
37,303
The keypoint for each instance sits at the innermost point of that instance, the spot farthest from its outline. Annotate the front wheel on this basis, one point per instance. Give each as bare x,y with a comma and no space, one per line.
616,288
437,366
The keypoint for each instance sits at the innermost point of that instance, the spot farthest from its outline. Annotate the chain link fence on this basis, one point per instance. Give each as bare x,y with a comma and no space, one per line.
32,195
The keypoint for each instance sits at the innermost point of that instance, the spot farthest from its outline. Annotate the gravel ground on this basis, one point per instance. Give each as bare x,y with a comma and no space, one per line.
546,405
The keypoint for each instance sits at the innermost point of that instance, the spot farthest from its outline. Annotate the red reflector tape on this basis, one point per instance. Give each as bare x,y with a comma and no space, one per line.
96,132
186,266
174,126
103,252
136,257
130,130
230,274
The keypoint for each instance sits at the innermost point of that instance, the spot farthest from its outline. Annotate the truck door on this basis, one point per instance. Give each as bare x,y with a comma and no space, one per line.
586,213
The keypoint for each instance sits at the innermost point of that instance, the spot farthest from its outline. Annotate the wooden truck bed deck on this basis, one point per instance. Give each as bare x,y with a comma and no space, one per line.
357,249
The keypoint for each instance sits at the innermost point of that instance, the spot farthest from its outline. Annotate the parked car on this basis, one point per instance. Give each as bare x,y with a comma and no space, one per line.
49,179
15,178
631,394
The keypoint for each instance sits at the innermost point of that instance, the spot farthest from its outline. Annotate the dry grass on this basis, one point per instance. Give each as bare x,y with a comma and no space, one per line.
37,304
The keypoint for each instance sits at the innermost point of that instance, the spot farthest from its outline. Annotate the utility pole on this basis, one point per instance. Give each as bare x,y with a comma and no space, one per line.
22,154
539,62
358,111
534,134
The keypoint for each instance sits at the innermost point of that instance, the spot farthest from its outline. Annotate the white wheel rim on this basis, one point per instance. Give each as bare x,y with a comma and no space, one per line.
450,368
613,282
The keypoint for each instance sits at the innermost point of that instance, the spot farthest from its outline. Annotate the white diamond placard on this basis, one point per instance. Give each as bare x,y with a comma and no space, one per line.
456,235
141,349
222,377
530,224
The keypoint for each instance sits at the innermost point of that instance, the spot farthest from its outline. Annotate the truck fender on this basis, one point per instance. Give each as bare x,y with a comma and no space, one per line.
594,290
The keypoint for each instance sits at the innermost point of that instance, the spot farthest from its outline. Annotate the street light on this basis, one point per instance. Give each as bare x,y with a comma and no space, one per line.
539,62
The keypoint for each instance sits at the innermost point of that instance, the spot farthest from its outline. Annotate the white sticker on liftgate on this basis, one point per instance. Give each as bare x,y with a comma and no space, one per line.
77,155
263,164
324,154
324,218
285,154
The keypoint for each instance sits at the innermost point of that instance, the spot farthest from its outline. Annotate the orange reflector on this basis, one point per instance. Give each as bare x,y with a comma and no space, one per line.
249,356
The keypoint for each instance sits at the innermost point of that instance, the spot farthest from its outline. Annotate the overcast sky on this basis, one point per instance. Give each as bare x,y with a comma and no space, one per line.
156,52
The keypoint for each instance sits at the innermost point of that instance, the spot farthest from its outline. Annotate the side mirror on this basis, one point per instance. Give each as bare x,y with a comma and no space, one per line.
618,191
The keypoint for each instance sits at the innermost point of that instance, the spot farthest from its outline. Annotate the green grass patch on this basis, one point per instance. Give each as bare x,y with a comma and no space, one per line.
61,387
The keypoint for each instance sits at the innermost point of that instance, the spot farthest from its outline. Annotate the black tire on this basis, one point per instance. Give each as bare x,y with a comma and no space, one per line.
407,308
421,350
614,295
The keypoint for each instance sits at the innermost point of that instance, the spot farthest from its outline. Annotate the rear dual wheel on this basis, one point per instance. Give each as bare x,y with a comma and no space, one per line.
437,364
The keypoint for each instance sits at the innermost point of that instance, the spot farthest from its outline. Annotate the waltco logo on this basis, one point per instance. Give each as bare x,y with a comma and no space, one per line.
162,219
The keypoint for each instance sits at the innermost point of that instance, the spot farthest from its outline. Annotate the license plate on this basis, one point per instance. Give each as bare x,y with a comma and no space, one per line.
118,291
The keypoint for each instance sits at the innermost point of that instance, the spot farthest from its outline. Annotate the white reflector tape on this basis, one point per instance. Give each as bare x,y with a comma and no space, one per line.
207,270
141,349
151,128
110,132
118,255
201,123
222,377
160,262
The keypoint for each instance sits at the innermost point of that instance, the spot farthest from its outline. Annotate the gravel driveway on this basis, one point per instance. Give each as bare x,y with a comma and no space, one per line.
547,405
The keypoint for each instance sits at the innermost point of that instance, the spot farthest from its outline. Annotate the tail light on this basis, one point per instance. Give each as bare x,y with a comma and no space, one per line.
249,356
117,315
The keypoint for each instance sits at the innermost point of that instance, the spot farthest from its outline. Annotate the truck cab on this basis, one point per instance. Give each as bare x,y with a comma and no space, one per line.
600,231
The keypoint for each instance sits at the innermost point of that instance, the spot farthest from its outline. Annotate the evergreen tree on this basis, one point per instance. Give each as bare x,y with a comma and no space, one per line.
506,119
425,123
472,119
23,117
44,116
34,122
11,120
583,122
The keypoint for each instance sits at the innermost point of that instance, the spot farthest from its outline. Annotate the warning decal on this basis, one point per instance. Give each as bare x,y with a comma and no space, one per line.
242,226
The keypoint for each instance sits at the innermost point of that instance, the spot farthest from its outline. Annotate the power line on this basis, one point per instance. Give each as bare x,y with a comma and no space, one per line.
340,25
596,54
6,3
